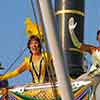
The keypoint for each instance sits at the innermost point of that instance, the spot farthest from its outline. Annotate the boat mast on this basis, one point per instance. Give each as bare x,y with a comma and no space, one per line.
48,18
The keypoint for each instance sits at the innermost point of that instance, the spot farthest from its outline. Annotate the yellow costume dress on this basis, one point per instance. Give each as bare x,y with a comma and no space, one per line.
39,72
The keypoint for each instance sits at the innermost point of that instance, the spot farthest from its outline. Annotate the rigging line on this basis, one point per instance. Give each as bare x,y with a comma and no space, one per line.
11,65
50,70
33,9
24,48
42,25
35,17
32,4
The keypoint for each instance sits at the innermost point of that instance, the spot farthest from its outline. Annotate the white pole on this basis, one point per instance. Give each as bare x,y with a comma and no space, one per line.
47,14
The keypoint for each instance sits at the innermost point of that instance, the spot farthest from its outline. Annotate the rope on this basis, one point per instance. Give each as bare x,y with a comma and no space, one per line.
50,69
11,65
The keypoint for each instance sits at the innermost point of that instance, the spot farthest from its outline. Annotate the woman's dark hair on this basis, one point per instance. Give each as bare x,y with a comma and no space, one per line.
31,39
98,32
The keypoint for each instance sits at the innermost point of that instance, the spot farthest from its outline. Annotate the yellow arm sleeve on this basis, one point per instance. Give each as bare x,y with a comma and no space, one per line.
19,70
75,40
9,75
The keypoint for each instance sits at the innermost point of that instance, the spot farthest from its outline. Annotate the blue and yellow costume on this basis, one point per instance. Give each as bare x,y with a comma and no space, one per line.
41,67
39,70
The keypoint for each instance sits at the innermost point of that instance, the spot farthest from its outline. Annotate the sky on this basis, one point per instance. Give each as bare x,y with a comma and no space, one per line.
13,38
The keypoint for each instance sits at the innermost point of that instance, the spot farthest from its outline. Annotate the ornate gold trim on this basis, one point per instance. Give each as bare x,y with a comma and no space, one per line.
70,11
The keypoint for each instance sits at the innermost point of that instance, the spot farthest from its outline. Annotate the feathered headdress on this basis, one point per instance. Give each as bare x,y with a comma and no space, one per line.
33,29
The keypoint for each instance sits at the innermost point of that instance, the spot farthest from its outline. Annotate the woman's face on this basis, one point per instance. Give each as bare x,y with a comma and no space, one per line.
98,37
34,46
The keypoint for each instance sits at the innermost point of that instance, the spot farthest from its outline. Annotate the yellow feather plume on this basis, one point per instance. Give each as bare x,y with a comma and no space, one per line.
33,29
